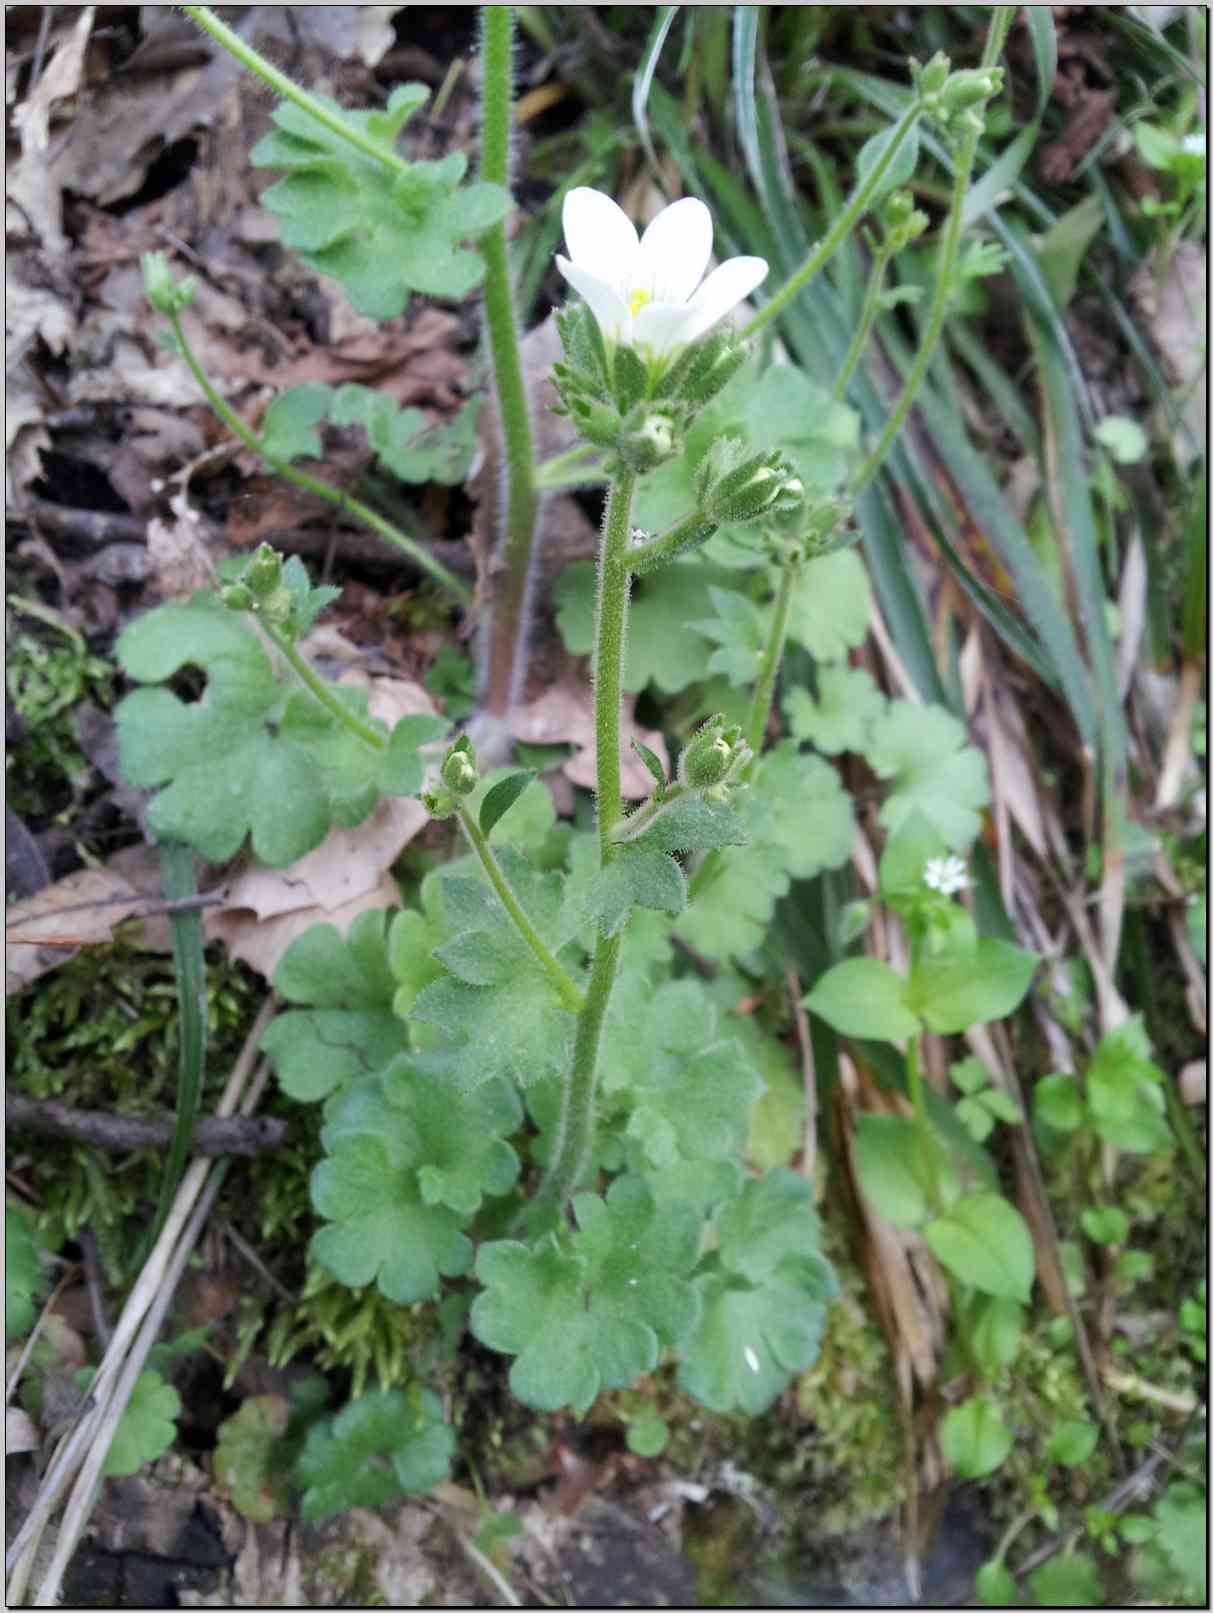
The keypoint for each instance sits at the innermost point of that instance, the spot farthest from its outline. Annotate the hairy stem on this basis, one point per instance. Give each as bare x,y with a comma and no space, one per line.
570,994
945,270
839,230
312,484
574,1138
863,326
692,530
505,661
322,691
760,710
289,90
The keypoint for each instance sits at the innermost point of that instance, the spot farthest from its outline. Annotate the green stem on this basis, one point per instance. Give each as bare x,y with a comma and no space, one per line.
772,655
684,534
863,327
839,230
945,269
290,91
312,484
322,691
570,993
575,1136
760,710
922,1123
569,469
506,660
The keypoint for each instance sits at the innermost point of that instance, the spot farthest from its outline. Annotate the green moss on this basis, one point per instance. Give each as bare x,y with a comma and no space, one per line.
354,1330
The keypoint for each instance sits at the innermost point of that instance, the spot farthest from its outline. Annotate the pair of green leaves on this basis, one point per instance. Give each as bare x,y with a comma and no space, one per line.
252,757
1121,1099
382,228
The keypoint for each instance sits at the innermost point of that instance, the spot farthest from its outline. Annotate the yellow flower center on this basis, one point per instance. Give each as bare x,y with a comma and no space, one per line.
638,300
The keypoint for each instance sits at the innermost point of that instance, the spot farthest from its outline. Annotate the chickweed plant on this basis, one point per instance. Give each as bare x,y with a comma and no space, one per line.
533,1106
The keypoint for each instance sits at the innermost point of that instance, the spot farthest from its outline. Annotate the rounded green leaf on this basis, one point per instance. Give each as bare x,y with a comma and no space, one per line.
1072,1442
985,1242
995,1584
864,997
974,1439
995,1329
1104,1223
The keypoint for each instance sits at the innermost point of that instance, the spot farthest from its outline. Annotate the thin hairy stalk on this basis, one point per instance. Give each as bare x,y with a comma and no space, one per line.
570,993
760,710
839,230
944,272
684,534
312,484
505,662
323,691
290,91
575,1133
863,326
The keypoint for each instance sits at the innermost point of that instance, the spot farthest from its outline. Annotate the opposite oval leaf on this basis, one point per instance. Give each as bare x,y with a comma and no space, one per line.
864,997
985,1242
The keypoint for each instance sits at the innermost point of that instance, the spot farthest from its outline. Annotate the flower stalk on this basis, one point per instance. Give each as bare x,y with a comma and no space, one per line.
505,658
568,991
312,484
575,1133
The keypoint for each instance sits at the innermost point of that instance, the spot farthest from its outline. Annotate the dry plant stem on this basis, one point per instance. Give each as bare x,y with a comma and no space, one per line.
569,993
575,1133
505,663
839,230
19,1558
312,484
120,1133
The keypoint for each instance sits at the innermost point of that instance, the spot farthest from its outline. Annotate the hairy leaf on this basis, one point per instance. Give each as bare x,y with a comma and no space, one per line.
922,751
386,1444
837,720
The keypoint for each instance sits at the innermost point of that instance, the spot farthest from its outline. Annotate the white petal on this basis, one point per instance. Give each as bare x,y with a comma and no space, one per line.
601,237
674,251
662,326
723,289
605,303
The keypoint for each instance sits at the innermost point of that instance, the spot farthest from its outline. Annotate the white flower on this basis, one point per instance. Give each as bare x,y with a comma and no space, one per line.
945,875
1194,145
642,289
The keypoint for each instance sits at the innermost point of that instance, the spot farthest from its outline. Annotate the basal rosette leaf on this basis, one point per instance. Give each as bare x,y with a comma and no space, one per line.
344,1024
798,820
384,1445
922,752
763,1295
592,1311
253,756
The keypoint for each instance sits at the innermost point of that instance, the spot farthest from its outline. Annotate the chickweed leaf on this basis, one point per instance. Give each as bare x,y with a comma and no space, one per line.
864,997
985,1242
974,1439
381,232
386,1444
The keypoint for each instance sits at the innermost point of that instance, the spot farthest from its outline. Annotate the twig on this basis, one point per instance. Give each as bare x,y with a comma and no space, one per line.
91,529
229,1134
142,908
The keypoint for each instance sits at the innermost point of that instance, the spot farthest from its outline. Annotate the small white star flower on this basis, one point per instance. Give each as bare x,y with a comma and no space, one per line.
945,875
645,291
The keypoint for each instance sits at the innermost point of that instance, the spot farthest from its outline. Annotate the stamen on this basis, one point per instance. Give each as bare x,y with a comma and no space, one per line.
638,299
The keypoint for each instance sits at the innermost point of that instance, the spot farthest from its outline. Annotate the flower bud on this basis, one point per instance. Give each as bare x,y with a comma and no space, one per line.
930,80
440,803
649,438
165,295
277,607
263,574
972,86
236,597
732,491
713,755
459,767
709,368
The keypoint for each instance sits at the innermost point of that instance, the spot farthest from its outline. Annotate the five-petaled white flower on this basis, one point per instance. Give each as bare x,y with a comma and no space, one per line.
945,875
642,289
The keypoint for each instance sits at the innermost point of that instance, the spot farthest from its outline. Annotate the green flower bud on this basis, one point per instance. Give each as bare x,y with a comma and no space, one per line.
732,491
440,803
276,607
165,296
263,574
236,597
930,80
715,753
706,369
649,438
459,767
972,86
